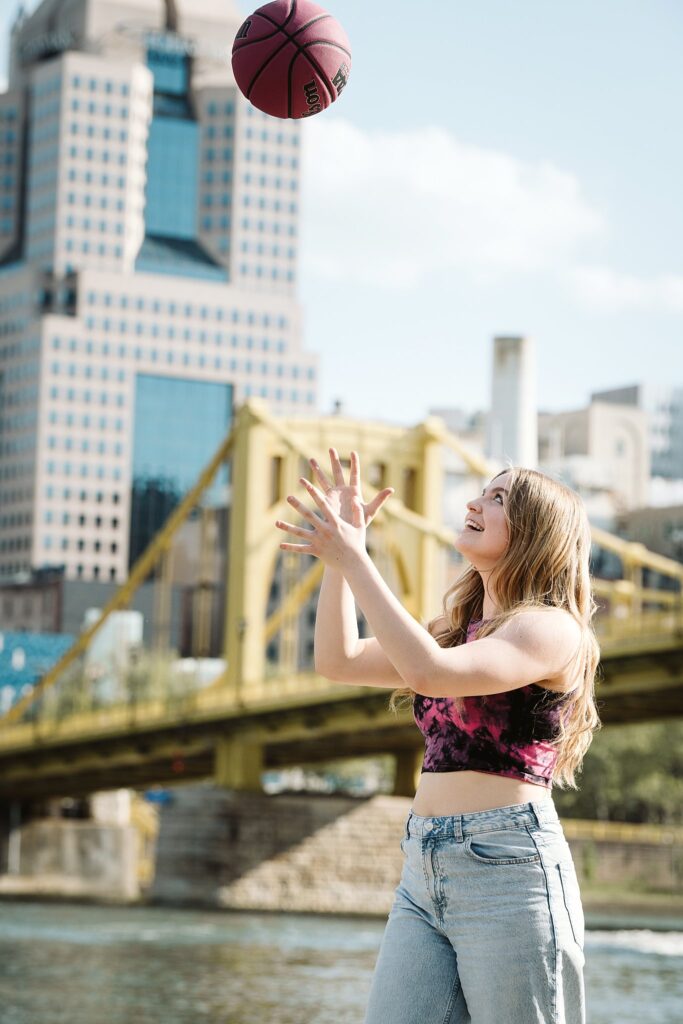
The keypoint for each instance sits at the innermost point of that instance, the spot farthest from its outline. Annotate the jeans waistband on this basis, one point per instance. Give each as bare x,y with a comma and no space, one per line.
458,825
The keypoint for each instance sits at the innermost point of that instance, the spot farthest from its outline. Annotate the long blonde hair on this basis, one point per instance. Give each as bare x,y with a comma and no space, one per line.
546,564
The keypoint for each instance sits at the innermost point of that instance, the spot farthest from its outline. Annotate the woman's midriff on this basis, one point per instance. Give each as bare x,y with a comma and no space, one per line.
441,793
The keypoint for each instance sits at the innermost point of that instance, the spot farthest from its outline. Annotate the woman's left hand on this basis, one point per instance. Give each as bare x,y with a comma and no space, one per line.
337,543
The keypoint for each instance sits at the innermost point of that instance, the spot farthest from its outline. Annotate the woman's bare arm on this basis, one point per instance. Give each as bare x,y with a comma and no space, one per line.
340,654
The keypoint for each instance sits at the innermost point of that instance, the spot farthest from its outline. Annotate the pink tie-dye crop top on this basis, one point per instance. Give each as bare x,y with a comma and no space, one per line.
500,733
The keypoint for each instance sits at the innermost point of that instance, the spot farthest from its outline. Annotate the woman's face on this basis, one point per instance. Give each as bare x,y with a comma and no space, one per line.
484,547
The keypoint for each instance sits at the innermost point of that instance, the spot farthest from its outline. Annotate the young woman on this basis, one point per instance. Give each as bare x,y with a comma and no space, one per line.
487,925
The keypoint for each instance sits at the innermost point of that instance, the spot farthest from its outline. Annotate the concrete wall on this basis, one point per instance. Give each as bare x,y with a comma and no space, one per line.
330,854
58,857
285,852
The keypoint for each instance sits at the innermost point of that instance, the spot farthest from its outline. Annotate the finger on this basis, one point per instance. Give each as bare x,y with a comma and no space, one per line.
337,468
377,502
302,510
298,530
354,475
322,479
318,498
299,549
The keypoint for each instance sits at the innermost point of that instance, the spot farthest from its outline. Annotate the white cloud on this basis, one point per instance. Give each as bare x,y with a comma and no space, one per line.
392,208
612,292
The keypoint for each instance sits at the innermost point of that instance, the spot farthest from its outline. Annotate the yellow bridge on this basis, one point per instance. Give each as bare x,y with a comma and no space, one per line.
156,722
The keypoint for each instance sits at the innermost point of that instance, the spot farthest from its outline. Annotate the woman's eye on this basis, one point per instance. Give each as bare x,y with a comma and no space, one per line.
501,498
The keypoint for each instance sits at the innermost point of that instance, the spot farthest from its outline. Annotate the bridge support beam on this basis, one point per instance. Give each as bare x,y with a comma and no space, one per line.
238,765
407,771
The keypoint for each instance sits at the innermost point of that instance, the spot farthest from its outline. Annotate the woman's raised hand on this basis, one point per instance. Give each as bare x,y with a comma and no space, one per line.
336,533
344,497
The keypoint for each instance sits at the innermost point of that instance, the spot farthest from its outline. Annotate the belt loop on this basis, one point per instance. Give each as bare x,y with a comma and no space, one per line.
541,814
407,826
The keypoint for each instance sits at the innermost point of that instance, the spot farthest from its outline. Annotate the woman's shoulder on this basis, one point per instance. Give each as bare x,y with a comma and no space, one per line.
547,615
550,621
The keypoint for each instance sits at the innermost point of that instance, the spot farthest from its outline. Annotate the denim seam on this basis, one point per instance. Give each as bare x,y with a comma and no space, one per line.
451,1002
552,925
439,891
560,870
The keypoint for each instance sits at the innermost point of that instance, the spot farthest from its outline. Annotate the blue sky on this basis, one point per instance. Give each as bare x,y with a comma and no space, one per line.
495,168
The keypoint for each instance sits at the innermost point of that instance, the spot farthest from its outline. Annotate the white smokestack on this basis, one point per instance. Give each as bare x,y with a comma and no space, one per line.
512,425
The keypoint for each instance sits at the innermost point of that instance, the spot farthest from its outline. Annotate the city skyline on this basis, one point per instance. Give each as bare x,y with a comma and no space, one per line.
563,224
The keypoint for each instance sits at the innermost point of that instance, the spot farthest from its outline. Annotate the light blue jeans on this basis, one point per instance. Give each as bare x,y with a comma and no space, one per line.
486,926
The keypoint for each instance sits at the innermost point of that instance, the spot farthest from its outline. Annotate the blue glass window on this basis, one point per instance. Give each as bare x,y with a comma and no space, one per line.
167,457
172,198
170,70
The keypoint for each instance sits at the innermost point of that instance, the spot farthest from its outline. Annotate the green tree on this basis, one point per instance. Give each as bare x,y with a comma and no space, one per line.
630,773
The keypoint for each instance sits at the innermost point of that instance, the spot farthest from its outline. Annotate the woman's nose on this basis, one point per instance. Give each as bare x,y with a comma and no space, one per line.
472,506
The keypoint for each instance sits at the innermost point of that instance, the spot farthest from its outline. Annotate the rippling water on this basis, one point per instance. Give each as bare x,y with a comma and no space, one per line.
65,964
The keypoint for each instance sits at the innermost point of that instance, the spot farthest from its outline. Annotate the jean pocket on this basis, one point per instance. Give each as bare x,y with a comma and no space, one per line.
502,846
571,894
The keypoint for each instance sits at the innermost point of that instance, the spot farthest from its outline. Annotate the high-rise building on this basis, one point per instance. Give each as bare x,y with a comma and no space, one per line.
148,262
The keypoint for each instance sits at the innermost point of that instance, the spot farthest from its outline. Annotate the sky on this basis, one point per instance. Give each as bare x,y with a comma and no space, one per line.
493,168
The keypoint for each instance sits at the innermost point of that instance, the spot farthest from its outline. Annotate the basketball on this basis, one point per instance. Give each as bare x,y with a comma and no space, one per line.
291,58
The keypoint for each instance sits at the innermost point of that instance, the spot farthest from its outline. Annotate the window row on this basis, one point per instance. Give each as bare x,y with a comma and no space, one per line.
278,395
86,396
249,270
263,181
213,109
17,470
88,371
71,519
96,574
267,160
249,343
103,155
105,133
85,446
260,249
83,471
104,203
67,494
99,250
106,86
265,136
212,131
15,544
15,519
155,306
79,545
85,224
15,497
86,422
104,180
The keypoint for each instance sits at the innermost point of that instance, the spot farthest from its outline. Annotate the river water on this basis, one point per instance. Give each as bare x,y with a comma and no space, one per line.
75,964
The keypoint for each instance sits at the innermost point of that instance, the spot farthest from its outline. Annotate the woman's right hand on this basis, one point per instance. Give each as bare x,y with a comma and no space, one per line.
347,496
